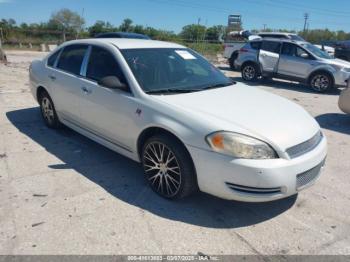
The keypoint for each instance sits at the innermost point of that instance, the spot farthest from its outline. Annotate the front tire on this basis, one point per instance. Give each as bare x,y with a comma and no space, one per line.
48,111
250,72
321,82
168,167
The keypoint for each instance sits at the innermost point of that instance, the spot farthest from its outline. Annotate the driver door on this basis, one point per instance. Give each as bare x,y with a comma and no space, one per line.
269,56
295,61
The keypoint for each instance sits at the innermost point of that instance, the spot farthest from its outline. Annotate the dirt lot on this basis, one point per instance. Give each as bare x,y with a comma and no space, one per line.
61,193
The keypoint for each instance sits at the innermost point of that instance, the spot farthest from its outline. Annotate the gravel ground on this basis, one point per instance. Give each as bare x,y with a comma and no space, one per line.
61,193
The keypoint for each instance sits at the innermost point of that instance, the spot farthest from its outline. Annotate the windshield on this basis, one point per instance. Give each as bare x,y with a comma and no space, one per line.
316,51
173,69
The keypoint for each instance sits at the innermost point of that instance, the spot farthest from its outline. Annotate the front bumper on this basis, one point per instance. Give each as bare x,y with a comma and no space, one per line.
256,180
341,78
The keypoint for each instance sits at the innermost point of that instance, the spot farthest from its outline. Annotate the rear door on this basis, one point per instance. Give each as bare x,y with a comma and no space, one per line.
295,61
65,80
269,56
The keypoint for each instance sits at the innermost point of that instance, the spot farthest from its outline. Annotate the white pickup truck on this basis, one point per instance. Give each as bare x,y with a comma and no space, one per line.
234,42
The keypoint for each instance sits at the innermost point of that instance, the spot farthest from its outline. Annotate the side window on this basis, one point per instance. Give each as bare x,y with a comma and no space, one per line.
302,53
288,49
271,46
71,58
102,64
52,59
255,45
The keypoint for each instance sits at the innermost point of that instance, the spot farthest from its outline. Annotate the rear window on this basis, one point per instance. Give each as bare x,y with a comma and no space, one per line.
273,36
271,46
71,58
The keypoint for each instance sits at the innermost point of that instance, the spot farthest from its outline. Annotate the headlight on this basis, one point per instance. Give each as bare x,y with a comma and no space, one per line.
346,70
240,146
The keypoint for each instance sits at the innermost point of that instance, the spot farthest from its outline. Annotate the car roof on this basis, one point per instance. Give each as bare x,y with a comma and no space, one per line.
275,33
127,43
272,39
122,35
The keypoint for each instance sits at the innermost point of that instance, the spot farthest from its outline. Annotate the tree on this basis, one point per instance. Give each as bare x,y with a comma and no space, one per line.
126,26
214,33
68,20
193,32
100,27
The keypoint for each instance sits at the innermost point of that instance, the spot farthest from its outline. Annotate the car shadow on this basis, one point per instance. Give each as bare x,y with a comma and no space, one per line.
335,121
123,179
287,85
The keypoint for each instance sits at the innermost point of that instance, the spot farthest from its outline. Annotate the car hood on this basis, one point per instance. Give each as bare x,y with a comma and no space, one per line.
240,108
339,62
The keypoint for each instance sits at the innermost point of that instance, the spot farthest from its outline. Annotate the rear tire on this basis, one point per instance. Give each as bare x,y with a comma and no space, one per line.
168,167
250,72
321,82
48,111
232,61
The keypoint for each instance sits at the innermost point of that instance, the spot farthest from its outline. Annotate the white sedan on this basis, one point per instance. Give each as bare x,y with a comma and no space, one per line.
191,127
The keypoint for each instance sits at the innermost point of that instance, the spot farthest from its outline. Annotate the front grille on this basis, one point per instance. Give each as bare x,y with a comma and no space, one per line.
309,176
254,190
306,146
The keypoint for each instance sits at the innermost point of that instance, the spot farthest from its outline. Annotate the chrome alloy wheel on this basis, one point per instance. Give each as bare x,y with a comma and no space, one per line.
47,110
320,82
162,169
249,72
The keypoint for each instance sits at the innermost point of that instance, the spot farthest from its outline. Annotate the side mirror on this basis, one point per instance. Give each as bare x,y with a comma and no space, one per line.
113,82
304,55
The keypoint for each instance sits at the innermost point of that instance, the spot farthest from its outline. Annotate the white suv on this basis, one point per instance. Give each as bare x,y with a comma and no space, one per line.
167,107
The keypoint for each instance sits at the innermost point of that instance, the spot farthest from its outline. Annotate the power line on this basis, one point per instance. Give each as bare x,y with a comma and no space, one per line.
337,12
293,6
210,8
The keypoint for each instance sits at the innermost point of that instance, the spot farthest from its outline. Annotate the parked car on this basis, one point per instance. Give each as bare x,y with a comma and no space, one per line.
122,35
344,99
165,106
292,60
342,50
231,47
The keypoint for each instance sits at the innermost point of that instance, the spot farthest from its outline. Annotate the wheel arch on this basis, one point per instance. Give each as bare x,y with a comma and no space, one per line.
153,130
321,70
39,91
234,54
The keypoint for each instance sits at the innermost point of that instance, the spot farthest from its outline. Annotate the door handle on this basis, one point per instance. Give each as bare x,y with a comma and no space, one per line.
86,90
52,77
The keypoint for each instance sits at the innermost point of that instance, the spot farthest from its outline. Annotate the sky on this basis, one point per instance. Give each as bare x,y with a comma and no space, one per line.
172,15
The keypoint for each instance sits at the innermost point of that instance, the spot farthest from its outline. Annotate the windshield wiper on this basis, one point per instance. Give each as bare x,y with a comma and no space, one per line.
172,90
218,85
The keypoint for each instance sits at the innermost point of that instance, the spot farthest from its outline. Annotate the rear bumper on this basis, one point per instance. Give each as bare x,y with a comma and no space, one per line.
256,180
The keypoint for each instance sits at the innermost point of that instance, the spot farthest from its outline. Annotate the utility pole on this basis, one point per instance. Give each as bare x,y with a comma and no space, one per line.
306,17
1,35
